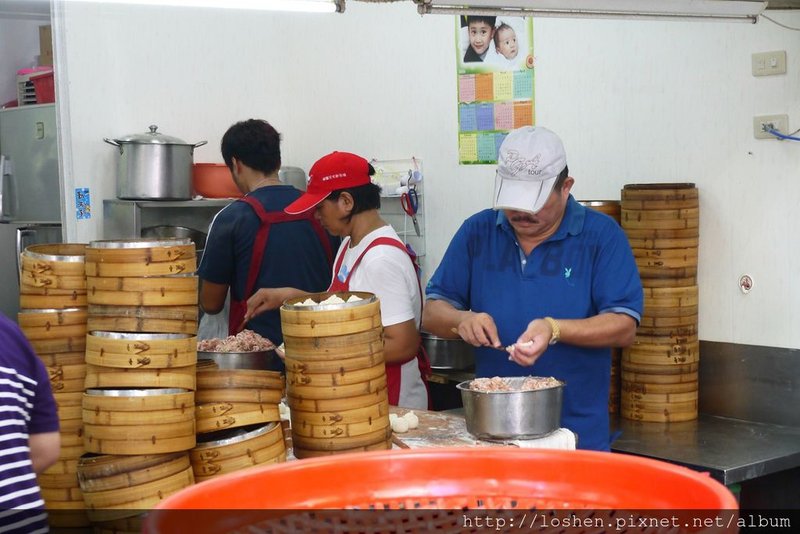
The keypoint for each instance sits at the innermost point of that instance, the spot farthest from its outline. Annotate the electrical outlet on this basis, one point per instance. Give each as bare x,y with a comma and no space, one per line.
769,63
778,122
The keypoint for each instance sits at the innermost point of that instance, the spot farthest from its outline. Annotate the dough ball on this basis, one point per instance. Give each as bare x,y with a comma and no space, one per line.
400,425
412,419
392,417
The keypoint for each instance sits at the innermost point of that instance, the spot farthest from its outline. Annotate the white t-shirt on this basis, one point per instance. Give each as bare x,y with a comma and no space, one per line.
388,272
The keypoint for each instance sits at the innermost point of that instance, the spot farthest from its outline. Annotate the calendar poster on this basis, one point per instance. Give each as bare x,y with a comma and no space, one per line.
495,83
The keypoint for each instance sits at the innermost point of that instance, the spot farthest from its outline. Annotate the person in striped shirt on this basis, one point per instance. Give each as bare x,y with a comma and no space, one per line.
29,438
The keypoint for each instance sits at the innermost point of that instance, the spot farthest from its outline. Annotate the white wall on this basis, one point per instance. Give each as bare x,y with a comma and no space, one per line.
634,102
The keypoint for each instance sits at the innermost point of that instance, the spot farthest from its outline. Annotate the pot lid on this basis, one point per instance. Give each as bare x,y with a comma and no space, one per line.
152,137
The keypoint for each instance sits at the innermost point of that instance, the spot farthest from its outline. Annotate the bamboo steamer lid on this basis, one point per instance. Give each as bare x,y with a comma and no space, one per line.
127,435
342,378
325,320
356,363
638,215
609,207
141,350
213,417
236,395
659,192
140,257
240,379
145,319
301,453
224,452
178,290
116,487
143,378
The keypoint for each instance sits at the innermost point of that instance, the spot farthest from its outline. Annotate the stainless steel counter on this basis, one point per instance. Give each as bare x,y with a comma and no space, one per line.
731,450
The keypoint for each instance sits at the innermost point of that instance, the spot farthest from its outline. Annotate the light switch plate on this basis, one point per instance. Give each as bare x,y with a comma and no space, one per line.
769,63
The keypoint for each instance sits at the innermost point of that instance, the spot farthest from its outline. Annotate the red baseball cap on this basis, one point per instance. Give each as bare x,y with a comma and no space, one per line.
337,170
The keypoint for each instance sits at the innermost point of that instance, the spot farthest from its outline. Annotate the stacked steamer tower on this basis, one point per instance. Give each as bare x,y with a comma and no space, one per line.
335,374
659,372
53,318
141,353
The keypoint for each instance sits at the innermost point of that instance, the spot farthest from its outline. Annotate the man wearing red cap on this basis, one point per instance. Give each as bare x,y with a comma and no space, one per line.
371,258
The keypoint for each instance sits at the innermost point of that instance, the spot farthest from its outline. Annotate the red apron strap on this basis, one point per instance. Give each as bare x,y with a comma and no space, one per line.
238,308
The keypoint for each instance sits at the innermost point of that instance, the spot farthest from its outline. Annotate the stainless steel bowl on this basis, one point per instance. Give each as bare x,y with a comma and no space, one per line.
261,361
444,353
512,414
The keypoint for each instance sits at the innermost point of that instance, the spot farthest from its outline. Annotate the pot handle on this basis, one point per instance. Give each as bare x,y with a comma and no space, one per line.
112,142
201,143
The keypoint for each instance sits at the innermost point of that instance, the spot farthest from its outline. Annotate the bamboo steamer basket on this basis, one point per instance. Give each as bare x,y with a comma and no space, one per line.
224,452
116,487
64,399
212,417
67,378
662,243
236,395
177,290
330,319
335,364
46,299
609,207
145,319
127,434
52,269
301,453
126,350
140,257
51,323
110,377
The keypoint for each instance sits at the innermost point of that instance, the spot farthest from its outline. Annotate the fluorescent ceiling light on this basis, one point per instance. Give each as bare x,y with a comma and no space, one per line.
315,6
722,10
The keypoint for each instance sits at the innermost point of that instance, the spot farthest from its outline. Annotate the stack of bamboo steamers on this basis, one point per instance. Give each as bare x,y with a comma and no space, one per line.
659,377
53,318
335,375
141,352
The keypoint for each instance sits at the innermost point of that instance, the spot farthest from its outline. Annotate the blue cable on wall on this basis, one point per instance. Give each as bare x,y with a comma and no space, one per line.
779,135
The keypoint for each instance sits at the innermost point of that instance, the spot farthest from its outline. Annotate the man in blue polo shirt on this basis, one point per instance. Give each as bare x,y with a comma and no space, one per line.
540,273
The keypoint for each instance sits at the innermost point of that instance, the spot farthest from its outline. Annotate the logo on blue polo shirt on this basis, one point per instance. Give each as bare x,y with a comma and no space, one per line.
567,274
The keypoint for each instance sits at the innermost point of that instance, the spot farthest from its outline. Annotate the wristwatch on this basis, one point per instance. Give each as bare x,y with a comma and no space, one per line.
555,328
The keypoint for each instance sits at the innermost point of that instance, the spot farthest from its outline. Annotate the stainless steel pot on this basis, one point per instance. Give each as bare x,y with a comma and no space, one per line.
511,414
448,353
165,230
154,166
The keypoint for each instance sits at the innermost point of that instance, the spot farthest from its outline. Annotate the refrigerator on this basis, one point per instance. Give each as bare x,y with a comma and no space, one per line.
30,191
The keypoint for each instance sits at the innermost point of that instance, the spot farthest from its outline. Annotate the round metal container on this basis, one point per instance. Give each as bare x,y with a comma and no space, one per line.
511,414
265,360
448,353
154,166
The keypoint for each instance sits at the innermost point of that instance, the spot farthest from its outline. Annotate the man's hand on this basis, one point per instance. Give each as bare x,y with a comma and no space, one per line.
532,343
479,330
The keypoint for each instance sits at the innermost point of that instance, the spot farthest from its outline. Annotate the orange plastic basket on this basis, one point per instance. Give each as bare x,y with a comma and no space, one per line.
433,488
